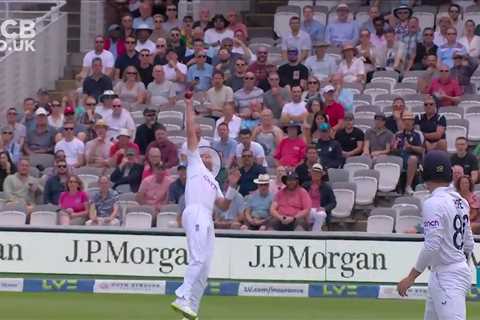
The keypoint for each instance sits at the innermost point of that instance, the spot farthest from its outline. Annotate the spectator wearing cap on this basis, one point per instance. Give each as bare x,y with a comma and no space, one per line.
350,138
97,151
291,150
220,31
256,215
128,171
199,75
120,147
73,147
293,73
106,57
219,94
470,40
176,44
399,20
161,92
55,119
463,68
392,56
249,170
153,190
106,100
177,189
275,98
432,125
95,84
378,139
334,111
231,119
464,158
40,138
291,205
351,67
145,17
235,24
19,130
167,148
314,28
445,88
303,169
119,119
143,33
297,39
175,71
130,89
246,143
224,144
21,187
321,65
115,43
172,19
296,109
341,30
158,28
329,150
394,122
56,184
104,205
423,49
145,67
249,94
145,133
447,50
9,146
323,199
408,145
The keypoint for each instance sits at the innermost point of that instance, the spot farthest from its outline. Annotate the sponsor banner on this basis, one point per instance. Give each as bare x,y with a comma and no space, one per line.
414,293
11,284
130,286
224,288
272,289
57,285
338,290
248,259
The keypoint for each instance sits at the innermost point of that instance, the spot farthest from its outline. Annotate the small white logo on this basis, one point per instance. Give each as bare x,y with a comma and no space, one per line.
17,35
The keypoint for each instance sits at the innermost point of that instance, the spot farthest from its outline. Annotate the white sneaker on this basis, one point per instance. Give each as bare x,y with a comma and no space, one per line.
409,190
180,306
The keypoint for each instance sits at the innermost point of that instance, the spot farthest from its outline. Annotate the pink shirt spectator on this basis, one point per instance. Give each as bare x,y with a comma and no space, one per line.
315,196
291,202
76,201
335,113
156,194
451,88
115,147
290,152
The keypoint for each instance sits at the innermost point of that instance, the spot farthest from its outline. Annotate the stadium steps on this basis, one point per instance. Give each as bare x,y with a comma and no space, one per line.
72,7
260,19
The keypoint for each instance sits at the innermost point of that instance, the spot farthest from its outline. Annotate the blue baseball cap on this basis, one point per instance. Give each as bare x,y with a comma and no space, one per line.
437,167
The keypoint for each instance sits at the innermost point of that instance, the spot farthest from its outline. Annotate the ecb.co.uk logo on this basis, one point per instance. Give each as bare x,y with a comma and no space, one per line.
17,35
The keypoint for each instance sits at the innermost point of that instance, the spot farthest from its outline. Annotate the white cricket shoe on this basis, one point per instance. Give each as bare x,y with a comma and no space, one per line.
181,307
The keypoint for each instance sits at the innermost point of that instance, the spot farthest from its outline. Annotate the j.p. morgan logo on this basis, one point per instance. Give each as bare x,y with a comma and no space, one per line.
17,35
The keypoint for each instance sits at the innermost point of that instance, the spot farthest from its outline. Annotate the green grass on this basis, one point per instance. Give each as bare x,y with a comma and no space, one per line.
84,306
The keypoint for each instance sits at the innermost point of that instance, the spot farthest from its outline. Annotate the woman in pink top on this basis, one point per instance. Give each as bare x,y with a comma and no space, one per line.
73,203
464,186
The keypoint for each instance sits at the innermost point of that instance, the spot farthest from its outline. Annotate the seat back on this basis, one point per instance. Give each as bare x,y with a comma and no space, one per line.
353,167
407,223
366,189
43,218
281,20
380,224
12,218
455,128
345,196
167,220
138,220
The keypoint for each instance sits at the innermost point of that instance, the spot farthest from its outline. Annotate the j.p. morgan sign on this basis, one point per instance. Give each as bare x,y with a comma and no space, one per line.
235,258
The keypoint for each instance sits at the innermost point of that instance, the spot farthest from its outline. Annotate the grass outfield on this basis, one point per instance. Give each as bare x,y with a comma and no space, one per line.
84,306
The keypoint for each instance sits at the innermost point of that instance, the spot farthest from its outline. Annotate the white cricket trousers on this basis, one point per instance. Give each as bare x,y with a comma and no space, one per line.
198,225
447,290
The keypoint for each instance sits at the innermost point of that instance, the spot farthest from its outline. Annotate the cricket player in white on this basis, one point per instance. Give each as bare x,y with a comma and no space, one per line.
448,240
202,193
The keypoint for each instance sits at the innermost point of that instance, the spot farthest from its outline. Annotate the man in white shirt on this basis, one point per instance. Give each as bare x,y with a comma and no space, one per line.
296,38
108,61
73,147
143,33
448,241
175,71
245,138
296,109
120,118
231,119
321,65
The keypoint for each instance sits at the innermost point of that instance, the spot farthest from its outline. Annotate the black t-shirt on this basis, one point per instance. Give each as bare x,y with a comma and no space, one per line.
391,124
94,87
246,179
125,61
422,52
348,141
430,125
144,136
292,75
146,74
469,163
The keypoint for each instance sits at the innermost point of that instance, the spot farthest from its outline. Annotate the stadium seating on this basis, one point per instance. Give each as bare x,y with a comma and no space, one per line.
345,196
380,224
354,164
367,186
166,220
338,175
138,220
472,115
282,19
43,218
389,168
12,218
364,124
455,128
366,112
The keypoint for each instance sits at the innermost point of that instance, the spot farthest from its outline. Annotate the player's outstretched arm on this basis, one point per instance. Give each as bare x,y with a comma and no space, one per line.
192,141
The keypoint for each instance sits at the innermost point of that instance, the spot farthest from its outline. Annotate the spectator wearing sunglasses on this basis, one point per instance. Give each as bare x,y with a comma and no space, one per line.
129,58
445,89
56,184
74,148
9,145
424,48
158,28
172,20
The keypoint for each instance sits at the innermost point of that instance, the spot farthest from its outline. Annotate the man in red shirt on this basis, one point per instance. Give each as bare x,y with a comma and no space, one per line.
167,148
333,109
119,148
291,150
445,89
291,205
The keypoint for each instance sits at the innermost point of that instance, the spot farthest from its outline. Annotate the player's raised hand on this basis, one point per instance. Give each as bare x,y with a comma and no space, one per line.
233,177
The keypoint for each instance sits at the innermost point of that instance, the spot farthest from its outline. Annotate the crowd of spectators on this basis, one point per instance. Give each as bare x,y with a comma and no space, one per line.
281,124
